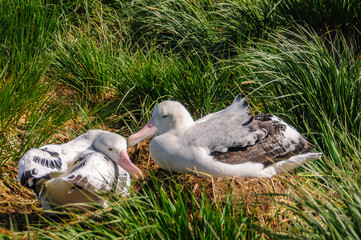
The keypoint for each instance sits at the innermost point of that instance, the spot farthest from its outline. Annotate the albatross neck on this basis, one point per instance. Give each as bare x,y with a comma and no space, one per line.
184,122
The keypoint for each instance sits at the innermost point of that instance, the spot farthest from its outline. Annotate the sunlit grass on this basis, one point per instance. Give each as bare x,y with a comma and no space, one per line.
29,112
71,66
328,207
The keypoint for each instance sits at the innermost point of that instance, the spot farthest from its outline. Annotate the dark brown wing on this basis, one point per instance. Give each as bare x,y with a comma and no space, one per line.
275,146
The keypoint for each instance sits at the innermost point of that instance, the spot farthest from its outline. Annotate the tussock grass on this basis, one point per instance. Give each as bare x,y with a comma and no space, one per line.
327,18
26,101
329,207
70,66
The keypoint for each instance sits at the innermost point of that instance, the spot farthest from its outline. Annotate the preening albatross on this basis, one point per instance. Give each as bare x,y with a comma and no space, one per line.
230,142
74,172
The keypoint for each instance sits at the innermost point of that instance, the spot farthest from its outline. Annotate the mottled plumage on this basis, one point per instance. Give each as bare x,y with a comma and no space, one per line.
270,148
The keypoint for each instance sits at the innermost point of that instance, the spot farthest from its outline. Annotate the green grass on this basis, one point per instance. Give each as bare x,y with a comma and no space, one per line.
26,101
163,209
71,66
325,217
327,17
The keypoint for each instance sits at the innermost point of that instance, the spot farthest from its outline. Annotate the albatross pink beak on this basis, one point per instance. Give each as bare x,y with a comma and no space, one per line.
128,166
146,132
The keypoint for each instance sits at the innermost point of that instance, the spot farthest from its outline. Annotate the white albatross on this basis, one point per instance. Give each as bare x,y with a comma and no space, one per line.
230,142
75,172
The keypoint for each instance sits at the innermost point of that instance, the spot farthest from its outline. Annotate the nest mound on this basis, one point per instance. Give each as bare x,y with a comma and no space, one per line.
263,195
260,194
16,201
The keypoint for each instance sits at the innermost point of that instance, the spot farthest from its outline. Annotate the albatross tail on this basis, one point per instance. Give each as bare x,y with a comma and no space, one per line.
289,164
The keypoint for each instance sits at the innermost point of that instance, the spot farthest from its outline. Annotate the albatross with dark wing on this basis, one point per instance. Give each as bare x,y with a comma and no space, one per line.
74,172
230,142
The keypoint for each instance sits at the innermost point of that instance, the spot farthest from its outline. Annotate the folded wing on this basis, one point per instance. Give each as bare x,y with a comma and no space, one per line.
234,136
95,172
39,163
225,129
281,142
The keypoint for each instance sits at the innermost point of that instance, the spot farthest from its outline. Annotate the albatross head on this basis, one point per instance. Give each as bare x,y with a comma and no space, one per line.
114,146
167,116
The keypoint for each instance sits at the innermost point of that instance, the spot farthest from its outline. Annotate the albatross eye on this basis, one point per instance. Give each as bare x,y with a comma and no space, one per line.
110,149
164,116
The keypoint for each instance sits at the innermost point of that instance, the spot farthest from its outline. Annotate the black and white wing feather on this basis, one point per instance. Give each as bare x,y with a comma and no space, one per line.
39,163
281,142
95,172
225,129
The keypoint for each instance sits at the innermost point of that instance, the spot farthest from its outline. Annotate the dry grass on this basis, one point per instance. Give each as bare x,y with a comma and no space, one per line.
16,201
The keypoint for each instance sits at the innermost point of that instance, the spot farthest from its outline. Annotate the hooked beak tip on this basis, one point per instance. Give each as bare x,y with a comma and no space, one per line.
124,162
